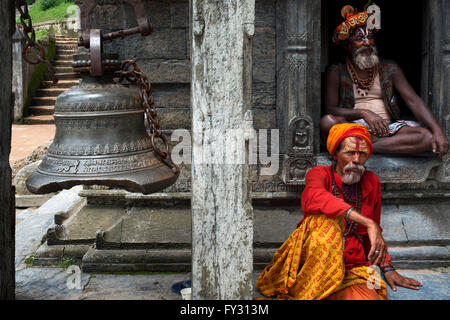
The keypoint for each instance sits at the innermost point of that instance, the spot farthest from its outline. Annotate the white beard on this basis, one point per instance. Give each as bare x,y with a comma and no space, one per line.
350,177
366,62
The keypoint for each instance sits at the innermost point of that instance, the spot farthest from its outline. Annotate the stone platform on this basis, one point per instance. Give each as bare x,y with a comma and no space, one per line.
119,231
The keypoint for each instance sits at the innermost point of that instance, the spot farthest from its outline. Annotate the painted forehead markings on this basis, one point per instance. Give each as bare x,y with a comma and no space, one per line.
355,144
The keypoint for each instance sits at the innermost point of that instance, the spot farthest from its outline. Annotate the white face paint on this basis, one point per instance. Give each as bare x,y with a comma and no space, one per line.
361,35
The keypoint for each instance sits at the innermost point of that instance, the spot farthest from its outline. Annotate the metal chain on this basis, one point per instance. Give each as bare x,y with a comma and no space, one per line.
30,37
133,74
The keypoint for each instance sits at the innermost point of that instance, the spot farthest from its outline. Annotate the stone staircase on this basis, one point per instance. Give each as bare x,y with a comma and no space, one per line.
43,104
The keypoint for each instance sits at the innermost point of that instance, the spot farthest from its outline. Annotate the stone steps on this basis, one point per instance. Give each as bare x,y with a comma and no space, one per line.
417,237
63,69
44,119
67,51
42,108
44,101
63,63
68,57
49,92
66,46
60,84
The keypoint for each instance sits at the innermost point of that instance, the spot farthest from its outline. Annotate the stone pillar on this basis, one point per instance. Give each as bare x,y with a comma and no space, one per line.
298,85
222,214
7,212
17,77
439,64
439,71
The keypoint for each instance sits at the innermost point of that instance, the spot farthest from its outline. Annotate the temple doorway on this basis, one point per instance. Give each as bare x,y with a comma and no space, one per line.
400,38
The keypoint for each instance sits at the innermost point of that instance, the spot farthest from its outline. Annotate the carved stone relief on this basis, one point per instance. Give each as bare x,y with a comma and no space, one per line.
296,169
301,135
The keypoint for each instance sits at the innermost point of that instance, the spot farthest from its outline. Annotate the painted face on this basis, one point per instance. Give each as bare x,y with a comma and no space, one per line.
361,36
361,39
351,158
362,49
355,146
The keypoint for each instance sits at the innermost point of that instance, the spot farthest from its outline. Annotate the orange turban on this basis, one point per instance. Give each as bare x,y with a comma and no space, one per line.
344,130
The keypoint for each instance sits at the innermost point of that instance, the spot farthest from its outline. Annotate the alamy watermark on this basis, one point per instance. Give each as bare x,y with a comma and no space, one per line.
74,277
228,147
374,281
73,20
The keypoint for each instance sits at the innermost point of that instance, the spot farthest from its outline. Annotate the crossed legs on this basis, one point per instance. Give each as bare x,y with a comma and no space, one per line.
407,140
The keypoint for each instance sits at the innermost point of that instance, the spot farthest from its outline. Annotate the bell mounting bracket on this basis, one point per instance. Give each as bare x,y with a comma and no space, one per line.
93,38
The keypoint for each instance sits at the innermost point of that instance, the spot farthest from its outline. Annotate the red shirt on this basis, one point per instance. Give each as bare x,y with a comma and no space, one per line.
318,199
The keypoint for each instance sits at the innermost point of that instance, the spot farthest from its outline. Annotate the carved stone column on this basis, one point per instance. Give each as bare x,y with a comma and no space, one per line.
222,214
439,70
299,84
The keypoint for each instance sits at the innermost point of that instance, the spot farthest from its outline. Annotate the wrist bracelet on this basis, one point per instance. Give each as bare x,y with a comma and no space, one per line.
347,213
387,270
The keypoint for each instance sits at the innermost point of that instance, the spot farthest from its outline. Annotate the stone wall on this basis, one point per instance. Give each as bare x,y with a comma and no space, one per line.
26,77
165,58
67,27
165,55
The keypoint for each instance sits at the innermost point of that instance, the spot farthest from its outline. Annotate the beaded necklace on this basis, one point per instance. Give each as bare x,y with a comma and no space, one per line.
353,196
363,85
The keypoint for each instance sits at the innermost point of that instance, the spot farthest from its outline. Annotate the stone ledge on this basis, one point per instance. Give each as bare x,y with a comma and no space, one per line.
396,170
27,201
180,260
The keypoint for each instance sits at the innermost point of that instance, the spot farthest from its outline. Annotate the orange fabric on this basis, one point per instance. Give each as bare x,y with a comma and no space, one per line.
355,292
364,276
342,131
310,264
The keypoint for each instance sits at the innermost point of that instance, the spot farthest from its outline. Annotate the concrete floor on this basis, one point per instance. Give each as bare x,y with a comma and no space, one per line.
51,284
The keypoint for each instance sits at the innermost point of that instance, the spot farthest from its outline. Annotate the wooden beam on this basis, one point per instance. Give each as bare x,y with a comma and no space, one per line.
7,211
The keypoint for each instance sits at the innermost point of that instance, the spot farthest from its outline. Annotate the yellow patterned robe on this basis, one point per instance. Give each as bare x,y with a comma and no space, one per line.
310,264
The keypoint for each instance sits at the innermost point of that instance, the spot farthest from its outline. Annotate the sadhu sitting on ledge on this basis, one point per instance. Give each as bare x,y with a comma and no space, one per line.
337,248
361,90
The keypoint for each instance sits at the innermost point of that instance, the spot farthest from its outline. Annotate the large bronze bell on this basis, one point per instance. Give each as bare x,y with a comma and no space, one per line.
101,139
100,136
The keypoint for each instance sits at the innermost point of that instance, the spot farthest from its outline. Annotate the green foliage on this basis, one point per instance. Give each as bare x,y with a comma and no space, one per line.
29,261
42,33
58,12
67,262
47,4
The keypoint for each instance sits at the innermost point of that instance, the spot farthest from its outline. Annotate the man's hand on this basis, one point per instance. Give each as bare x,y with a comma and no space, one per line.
439,143
377,252
394,279
378,126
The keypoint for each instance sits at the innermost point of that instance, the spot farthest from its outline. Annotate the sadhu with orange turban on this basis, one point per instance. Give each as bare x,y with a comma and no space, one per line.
337,250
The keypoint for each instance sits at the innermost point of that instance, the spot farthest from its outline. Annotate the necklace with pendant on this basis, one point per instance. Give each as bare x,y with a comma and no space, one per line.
363,85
